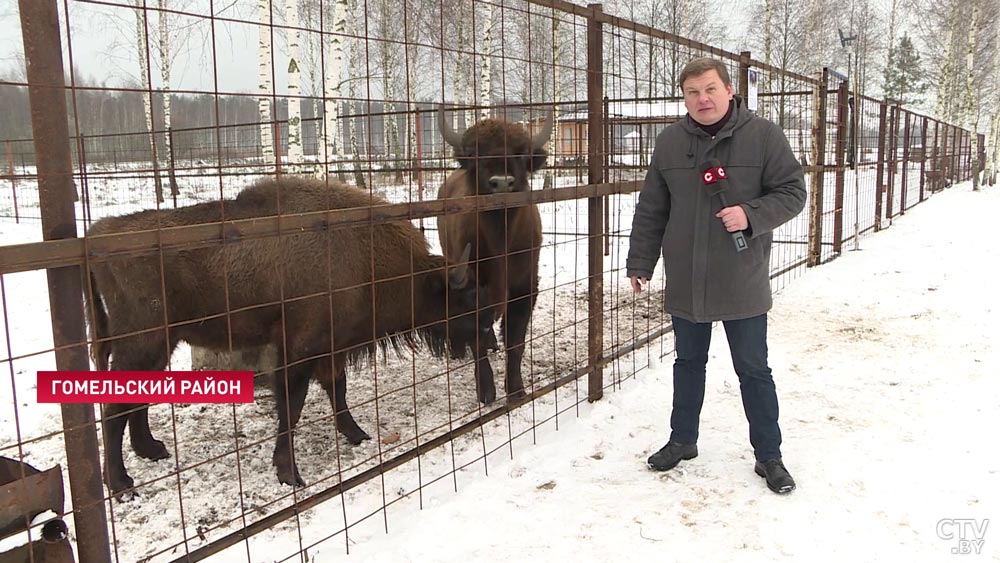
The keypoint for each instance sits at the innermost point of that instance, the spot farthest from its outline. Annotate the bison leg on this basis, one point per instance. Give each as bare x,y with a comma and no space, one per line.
489,339
486,390
143,443
336,388
138,354
290,389
515,329
113,420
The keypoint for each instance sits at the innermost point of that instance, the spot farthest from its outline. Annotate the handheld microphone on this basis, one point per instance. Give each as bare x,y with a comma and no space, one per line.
714,176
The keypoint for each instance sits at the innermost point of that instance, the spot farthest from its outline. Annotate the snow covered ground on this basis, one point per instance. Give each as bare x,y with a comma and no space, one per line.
885,364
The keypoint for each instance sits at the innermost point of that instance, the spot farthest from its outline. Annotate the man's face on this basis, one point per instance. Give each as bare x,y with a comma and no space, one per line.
706,97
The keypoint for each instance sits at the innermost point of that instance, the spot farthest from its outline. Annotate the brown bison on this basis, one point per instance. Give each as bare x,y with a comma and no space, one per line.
496,156
310,293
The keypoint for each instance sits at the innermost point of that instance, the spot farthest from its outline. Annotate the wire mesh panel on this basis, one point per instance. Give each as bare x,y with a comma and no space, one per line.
423,207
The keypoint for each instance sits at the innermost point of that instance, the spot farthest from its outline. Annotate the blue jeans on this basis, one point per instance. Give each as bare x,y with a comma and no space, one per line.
748,348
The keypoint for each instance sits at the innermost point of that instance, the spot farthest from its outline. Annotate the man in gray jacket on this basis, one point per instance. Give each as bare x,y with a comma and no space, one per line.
709,277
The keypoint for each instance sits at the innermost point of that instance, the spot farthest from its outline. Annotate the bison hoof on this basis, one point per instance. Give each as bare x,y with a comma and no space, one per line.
291,477
122,488
516,395
153,450
356,438
488,396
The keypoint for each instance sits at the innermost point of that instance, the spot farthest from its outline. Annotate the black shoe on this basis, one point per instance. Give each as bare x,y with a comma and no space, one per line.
670,455
773,471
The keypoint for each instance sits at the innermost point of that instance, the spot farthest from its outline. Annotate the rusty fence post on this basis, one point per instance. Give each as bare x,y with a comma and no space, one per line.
956,150
595,207
13,182
819,162
935,164
880,165
906,162
893,148
841,150
50,130
923,154
744,77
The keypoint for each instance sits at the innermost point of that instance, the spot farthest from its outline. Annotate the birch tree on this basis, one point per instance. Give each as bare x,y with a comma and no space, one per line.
768,36
818,34
993,150
965,90
265,89
946,75
142,44
355,69
388,64
165,64
693,19
486,62
971,113
331,138
993,141
415,14
864,22
890,65
558,48
462,77
781,40
295,155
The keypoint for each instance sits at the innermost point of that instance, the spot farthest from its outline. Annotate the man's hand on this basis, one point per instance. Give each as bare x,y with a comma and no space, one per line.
638,283
734,218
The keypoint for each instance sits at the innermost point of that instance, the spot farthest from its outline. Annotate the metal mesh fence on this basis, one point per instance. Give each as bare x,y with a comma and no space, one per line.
349,94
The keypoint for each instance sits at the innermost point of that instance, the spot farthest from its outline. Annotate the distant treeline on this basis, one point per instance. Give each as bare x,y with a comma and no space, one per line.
113,125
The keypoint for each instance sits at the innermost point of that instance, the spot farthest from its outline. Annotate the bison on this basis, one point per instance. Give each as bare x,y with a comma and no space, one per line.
495,157
324,298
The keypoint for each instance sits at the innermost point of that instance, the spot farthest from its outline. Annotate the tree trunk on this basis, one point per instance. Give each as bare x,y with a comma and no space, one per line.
994,153
993,141
390,126
165,73
971,111
458,87
352,93
410,65
763,83
554,145
294,78
264,84
468,70
331,139
486,63
946,77
147,96
891,56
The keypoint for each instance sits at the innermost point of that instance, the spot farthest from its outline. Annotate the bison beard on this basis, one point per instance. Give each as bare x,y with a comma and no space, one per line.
497,156
300,292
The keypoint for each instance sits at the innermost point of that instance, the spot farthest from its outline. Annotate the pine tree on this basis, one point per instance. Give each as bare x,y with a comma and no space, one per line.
905,79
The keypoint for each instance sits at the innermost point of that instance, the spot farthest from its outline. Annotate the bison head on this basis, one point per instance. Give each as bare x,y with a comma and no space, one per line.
497,156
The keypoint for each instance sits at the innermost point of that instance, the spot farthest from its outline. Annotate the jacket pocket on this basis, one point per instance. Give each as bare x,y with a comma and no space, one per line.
757,250
745,172
675,161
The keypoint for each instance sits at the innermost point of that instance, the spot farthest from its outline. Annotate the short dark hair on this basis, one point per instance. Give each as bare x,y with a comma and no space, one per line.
700,66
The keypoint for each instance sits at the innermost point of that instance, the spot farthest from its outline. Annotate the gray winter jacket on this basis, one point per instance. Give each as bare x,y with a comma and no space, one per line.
707,280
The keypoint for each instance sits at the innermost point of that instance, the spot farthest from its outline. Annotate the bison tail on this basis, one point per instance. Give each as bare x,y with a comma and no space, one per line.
100,349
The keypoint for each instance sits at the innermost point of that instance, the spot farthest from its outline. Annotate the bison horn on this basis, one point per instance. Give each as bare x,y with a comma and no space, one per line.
542,137
460,275
450,136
